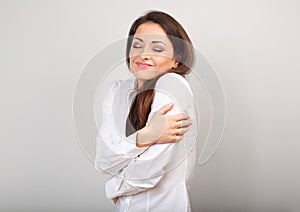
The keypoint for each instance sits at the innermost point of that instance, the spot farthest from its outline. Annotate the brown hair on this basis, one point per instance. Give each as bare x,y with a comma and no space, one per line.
183,53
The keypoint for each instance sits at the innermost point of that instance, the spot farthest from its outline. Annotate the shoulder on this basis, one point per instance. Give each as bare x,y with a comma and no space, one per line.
173,77
173,83
174,88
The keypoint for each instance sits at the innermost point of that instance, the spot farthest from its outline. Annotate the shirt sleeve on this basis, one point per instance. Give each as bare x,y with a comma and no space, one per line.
148,169
113,151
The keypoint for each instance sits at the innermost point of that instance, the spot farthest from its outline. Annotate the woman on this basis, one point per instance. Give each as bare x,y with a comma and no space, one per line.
149,148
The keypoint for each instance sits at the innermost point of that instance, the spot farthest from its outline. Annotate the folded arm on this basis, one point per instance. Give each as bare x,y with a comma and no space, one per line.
148,169
114,151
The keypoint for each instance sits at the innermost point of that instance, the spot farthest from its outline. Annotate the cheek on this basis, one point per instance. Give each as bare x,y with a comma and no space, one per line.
131,62
164,63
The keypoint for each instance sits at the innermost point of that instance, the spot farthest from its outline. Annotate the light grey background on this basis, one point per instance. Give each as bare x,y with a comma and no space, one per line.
253,46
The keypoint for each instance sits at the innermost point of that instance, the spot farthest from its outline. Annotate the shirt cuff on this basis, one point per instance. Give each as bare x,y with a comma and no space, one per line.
130,145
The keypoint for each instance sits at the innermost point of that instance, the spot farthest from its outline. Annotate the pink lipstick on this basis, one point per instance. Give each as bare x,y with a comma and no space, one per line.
143,65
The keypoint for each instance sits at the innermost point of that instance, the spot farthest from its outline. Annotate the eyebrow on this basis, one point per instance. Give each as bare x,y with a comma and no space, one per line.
155,41
159,42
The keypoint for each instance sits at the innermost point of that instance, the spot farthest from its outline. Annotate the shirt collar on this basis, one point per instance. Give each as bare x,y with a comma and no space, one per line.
132,91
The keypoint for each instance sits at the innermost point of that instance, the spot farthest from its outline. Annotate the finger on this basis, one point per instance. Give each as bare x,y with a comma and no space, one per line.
179,117
178,138
183,123
181,131
166,108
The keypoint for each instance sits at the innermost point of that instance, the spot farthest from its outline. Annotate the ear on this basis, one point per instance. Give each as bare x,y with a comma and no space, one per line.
175,64
177,60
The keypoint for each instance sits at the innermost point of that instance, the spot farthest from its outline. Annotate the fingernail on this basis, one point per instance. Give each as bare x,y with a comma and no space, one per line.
170,104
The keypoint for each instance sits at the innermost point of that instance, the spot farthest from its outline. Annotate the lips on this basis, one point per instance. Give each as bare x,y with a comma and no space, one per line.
143,65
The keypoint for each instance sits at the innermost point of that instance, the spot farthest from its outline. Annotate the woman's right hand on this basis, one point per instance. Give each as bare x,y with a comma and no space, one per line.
163,129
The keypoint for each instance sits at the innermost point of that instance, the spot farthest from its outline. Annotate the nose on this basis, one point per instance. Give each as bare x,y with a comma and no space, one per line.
145,54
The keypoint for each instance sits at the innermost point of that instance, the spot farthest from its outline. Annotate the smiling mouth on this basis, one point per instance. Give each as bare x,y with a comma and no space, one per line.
143,65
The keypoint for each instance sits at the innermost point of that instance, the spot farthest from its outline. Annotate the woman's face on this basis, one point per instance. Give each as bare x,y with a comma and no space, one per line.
151,53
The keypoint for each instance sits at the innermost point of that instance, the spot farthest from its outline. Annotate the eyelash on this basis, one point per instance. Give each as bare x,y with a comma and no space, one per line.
157,50
136,47
154,49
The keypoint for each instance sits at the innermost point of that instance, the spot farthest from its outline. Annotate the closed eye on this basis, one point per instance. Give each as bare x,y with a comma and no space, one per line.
136,46
158,50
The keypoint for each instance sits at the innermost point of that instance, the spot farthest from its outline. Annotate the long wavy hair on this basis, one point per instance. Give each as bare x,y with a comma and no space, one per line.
183,53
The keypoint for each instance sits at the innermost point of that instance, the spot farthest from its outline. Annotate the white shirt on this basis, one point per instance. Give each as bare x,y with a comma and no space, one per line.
156,178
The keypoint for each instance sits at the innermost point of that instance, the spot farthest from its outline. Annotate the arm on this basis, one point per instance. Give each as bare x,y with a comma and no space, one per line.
113,152
149,168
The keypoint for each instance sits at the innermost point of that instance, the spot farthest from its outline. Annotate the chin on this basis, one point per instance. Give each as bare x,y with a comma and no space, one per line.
147,74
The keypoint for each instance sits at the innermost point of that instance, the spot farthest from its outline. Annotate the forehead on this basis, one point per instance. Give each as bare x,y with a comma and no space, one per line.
151,31
150,28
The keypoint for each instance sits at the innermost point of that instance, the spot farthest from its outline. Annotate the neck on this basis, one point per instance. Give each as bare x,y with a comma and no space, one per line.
138,84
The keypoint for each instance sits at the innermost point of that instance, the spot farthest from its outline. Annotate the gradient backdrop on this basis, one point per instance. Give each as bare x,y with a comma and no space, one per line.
253,46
